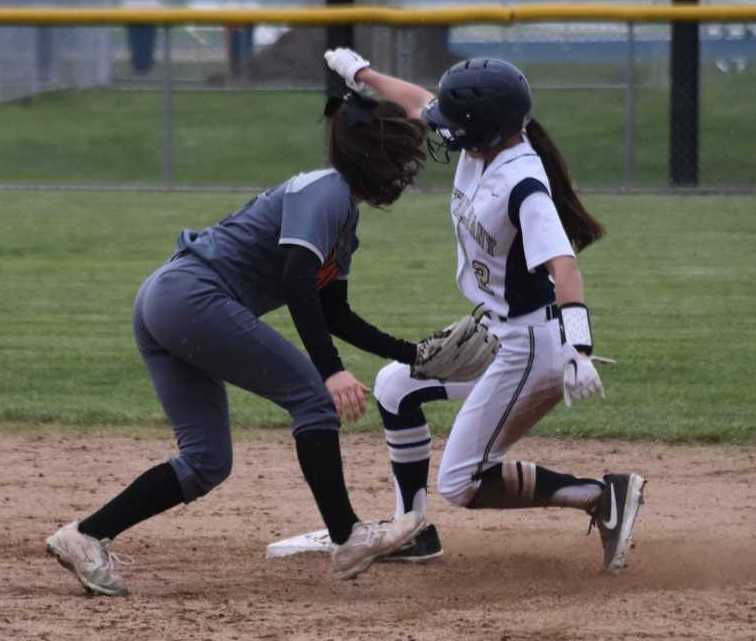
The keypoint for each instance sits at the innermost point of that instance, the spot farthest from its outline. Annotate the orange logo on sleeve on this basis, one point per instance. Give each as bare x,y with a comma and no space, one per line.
328,272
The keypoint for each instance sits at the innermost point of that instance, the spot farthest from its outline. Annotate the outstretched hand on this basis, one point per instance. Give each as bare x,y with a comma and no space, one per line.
348,395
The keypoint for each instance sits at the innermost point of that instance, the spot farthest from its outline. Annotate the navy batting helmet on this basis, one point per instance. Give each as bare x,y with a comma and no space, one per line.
481,102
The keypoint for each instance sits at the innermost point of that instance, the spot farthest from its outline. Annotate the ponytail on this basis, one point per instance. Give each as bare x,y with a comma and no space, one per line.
582,228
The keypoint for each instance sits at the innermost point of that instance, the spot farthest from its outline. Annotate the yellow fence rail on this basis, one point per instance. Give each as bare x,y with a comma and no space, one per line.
469,14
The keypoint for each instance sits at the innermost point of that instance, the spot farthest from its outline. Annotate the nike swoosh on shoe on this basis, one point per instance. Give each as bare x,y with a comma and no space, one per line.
612,522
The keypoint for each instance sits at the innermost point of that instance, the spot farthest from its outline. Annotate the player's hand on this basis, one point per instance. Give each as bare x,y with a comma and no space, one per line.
347,63
581,380
348,395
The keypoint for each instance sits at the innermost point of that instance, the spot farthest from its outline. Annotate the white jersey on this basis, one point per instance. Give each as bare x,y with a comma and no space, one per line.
507,227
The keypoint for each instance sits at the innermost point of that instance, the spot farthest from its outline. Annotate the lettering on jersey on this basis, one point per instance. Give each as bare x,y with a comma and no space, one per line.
483,276
480,234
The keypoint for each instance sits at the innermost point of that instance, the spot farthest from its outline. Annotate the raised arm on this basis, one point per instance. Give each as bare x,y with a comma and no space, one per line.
412,97
357,74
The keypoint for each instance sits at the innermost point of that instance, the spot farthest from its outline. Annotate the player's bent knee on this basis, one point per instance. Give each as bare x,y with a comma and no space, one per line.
212,476
206,473
457,493
458,498
391,386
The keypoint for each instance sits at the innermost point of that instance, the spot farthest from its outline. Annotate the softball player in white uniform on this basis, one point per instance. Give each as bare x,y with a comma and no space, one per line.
517,222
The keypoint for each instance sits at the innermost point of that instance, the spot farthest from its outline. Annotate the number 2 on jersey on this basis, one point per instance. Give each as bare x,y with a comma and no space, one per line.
483,276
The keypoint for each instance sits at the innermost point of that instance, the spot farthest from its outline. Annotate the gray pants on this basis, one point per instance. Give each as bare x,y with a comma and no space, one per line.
194,335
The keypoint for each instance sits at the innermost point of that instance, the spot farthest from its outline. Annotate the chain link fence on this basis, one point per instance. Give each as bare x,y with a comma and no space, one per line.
39,59
211,105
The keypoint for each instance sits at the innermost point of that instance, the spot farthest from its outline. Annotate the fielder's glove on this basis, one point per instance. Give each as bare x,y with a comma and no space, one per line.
581,380
460,352
347,63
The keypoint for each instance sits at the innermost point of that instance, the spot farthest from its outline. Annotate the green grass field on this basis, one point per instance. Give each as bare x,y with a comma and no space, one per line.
254,137
671,289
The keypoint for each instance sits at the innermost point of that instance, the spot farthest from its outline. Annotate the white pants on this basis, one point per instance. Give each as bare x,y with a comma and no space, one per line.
521,385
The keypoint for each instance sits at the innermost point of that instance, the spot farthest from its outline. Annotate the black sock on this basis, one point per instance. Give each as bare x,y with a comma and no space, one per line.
155,491
320,459
411,478
520,484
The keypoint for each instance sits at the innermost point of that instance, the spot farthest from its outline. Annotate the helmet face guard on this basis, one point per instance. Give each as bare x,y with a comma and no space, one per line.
453,136
452,139
437,150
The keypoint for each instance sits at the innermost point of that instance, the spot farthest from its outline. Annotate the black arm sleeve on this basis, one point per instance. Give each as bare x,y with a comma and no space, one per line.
301,295
347,325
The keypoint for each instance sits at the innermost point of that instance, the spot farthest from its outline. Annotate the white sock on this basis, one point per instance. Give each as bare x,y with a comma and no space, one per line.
583,496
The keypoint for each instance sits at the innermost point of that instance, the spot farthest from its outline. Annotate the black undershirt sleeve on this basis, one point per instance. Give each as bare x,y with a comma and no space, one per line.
348,326
317,316
300,292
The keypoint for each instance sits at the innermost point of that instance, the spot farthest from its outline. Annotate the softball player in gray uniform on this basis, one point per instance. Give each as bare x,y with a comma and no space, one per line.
518,223
198,324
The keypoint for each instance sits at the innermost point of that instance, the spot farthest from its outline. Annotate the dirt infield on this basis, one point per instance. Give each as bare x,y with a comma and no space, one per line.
200,573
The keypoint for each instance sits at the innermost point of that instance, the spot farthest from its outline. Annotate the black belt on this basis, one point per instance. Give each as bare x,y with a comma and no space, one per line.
552,312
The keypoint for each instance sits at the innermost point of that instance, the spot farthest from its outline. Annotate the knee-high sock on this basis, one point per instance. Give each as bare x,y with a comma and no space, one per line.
520,484
409,445
319,456
155,491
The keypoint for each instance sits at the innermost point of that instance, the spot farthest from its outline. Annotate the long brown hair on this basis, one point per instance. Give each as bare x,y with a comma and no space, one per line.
582,228
376,147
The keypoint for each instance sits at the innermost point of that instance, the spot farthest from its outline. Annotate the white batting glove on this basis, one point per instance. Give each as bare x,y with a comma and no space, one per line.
347,63
581,380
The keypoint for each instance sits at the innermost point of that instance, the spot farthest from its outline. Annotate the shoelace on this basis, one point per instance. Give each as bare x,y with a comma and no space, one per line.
114,559
368,533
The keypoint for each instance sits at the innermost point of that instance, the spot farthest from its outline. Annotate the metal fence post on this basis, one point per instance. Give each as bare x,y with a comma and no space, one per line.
394,48
685,69
338,36
630,97
168,167
404,41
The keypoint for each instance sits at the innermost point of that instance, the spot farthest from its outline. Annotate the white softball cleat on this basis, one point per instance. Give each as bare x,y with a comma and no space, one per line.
89,559
370,540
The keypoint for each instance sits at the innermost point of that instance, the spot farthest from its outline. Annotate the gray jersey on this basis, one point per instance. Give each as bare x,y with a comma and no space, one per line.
314,210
